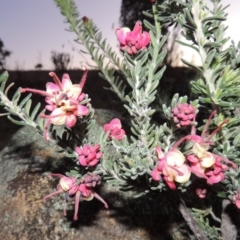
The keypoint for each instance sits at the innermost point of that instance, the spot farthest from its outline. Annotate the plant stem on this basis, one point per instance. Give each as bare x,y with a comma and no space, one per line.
191,221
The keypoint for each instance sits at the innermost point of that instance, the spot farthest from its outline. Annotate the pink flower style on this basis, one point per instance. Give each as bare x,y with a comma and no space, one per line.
183,114
133,41
63,101
204,163
89,155
172,166
115,129
77,192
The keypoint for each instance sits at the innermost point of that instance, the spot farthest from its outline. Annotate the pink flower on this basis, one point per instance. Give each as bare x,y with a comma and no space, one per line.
66,184
115,129
183,114
67,113
203,161
63,101
201,192
196,166
172,167
76,191
212,173
215,173
133,41
89,155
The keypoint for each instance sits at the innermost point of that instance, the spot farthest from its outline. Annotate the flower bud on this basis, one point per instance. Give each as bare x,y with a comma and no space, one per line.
201,192
183,114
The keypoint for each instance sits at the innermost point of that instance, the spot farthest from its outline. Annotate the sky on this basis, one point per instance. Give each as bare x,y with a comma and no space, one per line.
32,29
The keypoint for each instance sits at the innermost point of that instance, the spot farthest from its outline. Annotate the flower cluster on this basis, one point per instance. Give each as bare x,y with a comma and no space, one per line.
172,166
201,162
92,180
133,41
77,191
115,129
183,114
63,101
204,163
89,155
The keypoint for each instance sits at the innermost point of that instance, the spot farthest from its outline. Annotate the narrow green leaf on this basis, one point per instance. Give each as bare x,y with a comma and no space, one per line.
187,45
17,122
192,66
35,111
28,106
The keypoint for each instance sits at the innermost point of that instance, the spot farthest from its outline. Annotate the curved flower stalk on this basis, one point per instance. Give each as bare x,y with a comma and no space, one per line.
77,191
63,101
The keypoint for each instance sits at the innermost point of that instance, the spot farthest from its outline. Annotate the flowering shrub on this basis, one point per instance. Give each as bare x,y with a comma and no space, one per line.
170,146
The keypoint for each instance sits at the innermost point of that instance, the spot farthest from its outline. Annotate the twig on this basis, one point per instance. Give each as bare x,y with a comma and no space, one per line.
191,221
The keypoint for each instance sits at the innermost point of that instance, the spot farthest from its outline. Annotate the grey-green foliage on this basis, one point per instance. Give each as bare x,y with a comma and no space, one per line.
134,166
202,217
101,53
143,73
219,77
205,30
219,81
19,109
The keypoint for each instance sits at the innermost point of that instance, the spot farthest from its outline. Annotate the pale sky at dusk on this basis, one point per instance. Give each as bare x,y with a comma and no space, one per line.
31,29
34,28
